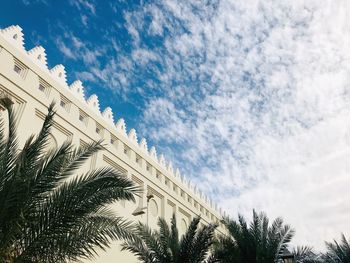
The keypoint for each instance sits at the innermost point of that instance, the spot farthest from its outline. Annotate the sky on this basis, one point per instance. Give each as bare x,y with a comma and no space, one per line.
250,99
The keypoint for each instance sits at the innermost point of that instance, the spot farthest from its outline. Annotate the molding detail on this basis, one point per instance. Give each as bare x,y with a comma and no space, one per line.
14,35
38,56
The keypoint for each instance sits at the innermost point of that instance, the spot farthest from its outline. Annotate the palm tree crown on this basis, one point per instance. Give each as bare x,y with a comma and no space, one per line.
337,252
257,243
305,254
47,213
165,246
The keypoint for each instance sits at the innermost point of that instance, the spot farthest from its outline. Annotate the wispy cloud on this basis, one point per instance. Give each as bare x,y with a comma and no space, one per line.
252,101
30,2
249,98
84,5
66,51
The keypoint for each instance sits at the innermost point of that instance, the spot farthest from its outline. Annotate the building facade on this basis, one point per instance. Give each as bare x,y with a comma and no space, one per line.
33,86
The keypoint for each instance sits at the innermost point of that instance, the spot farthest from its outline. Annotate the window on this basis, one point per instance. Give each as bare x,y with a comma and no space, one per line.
17,69
182,193
83,117
41,88
99,129
126,150
114,140
64,103
138,159
174,188
166,181
44,87
148,167
158,175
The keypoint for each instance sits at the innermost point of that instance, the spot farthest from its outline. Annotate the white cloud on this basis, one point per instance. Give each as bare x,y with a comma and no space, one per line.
66,51
254,105
143,56
31,2
84,20
84,5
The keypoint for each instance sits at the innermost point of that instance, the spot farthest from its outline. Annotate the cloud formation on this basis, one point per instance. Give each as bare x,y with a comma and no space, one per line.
249,98
253,101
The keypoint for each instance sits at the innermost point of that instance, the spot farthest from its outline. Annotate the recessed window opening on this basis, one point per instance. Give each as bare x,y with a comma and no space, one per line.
41,87
17,69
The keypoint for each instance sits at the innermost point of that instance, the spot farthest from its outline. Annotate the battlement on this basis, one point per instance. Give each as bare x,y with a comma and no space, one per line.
14,36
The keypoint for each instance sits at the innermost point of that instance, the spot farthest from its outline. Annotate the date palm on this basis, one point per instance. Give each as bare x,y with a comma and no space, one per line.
337,252
258,242
165,245
305,254
48,212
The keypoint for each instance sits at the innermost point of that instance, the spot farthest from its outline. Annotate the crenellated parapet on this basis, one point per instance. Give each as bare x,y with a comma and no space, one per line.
121,127
93,102
37,55
153,153
78,90
58,72
107,114
14,35
143,145
132,136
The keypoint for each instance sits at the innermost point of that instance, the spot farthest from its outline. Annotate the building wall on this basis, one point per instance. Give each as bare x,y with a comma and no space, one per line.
25,76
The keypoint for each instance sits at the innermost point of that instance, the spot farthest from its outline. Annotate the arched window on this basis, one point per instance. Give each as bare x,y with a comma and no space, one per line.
153,207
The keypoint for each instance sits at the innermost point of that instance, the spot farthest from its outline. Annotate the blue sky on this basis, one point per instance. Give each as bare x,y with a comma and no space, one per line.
250,99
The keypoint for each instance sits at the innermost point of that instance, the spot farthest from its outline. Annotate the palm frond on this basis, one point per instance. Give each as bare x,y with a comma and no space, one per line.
186,242
46,217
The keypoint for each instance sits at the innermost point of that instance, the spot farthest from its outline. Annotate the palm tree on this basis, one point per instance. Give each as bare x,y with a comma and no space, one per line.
165,246
47,212
305,254
257,243
337,252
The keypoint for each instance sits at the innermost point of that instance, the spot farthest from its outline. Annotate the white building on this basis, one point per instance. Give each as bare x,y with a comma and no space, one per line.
33,86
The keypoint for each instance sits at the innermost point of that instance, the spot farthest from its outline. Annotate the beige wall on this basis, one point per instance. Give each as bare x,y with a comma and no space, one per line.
123,151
